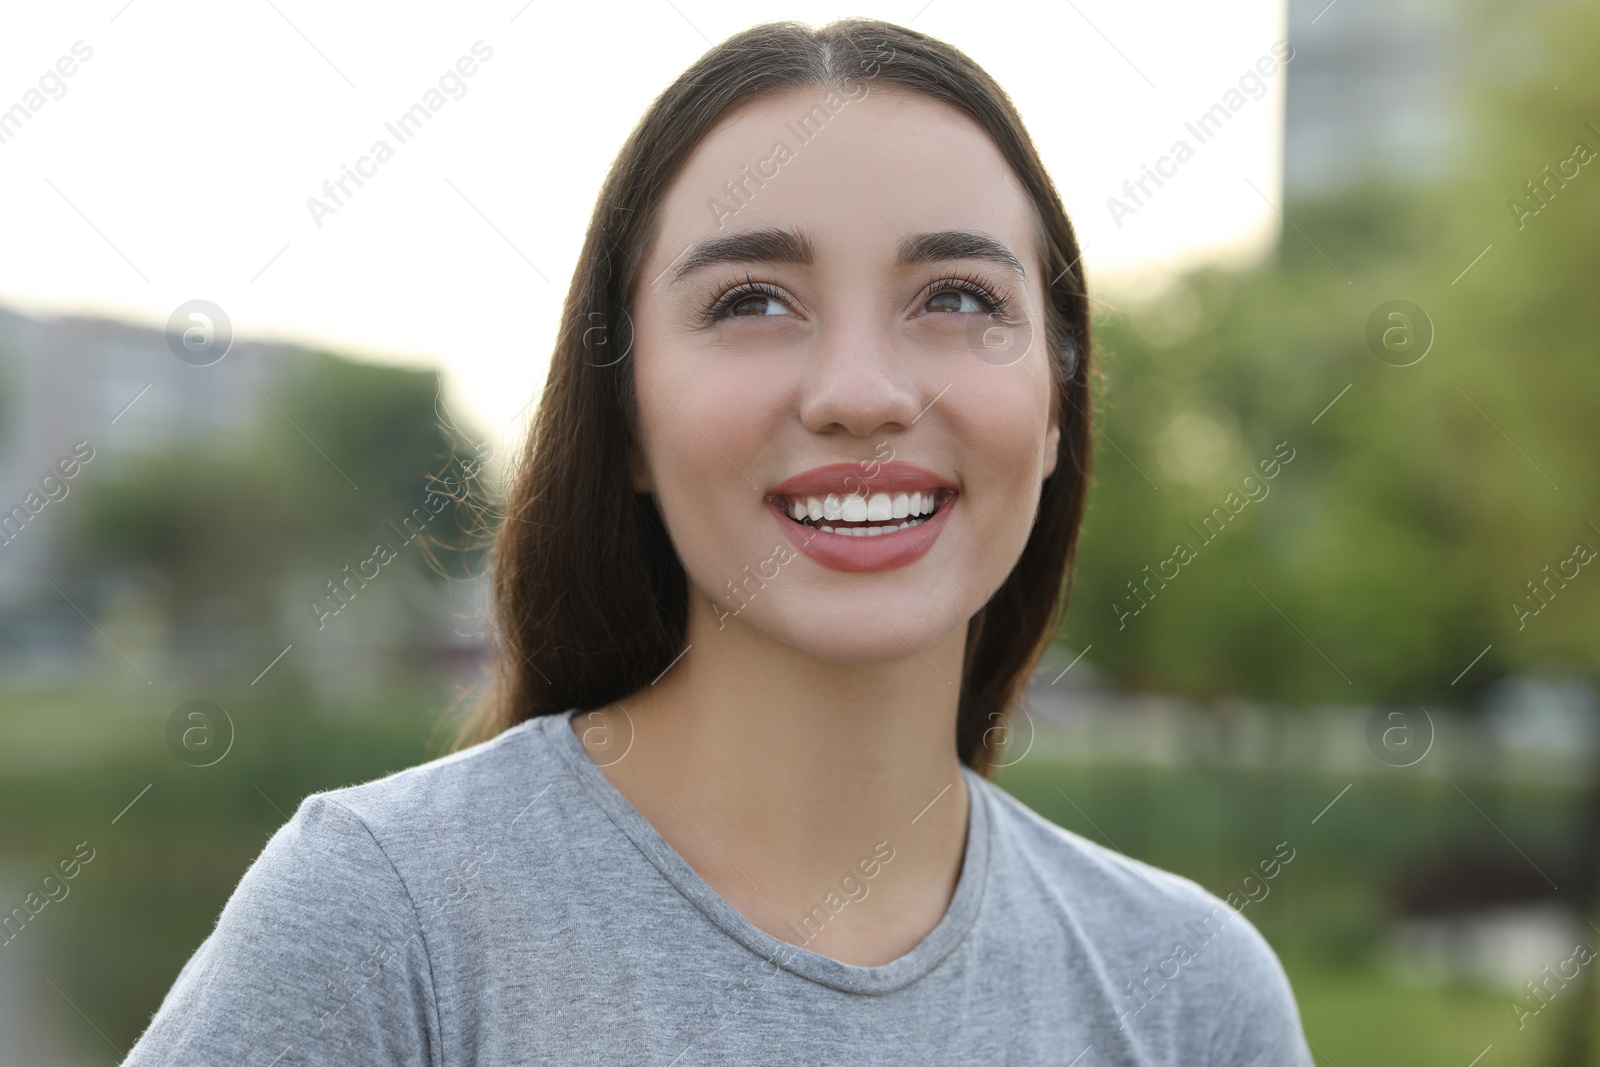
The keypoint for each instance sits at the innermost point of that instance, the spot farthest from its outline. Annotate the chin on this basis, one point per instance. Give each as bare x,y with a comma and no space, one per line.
858,618
859,636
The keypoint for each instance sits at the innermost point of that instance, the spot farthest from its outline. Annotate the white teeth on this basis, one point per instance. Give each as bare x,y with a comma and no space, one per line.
869,531
856,507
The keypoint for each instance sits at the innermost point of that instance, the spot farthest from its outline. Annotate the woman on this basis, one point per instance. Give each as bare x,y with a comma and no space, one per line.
792,528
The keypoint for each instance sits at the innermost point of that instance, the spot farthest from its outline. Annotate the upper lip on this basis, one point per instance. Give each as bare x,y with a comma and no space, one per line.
864,477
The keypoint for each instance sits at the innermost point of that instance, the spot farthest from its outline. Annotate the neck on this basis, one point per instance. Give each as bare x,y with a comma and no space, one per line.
774,773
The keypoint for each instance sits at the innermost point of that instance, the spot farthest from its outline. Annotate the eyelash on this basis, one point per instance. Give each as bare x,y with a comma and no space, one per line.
996,301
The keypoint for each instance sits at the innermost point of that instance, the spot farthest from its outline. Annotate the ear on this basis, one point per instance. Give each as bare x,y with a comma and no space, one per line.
1052,443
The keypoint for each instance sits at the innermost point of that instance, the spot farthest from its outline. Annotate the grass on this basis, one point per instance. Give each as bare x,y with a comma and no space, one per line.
162,871
1363,1015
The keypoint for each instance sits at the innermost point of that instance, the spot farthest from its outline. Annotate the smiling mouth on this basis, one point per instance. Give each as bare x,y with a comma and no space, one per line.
858,515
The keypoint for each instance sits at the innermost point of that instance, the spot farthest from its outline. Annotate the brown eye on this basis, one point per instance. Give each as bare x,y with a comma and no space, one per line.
963,296
750,304
751,300
950,300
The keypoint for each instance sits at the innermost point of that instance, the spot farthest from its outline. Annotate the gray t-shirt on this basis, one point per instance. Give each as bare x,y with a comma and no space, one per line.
507,905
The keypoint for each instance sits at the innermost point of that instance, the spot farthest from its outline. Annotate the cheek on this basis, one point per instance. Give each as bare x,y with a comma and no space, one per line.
1003,423
705,426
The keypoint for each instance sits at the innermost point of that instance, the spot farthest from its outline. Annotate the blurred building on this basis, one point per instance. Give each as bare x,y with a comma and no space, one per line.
118,394
1374,91
118,388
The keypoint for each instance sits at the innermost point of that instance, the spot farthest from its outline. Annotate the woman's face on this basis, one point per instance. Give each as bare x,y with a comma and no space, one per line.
868,371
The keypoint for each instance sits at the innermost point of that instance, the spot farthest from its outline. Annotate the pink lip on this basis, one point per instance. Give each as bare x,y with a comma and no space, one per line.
846,552
893,476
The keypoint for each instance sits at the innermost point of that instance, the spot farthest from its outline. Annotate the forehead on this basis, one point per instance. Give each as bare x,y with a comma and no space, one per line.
859,174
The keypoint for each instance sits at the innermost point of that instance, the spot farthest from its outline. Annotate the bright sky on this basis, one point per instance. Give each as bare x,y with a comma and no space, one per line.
175,162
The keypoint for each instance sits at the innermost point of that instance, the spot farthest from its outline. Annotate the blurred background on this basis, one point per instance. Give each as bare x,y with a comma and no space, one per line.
1334,598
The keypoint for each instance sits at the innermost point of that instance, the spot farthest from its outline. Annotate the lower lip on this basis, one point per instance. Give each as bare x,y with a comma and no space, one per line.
847,552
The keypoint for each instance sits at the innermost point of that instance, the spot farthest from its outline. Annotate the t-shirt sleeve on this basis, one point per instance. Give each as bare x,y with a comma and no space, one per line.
1264,1028
317,959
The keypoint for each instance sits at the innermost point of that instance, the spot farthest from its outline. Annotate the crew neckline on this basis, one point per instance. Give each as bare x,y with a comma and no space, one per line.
927,954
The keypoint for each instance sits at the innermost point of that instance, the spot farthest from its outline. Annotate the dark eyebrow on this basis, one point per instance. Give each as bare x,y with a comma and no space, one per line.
757,246
943,245
786,246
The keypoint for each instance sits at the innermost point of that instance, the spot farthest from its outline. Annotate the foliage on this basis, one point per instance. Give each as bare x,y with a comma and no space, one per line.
220,535
1391,550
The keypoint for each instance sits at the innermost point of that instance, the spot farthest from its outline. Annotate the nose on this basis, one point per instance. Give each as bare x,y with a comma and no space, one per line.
860,381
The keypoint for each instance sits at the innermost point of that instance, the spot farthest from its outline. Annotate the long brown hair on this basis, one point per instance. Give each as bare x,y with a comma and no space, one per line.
590,598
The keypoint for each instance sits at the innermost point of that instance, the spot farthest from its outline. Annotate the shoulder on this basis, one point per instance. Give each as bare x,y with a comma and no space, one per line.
1174,957
349,849
481,780
435,824
325,946
1111,889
